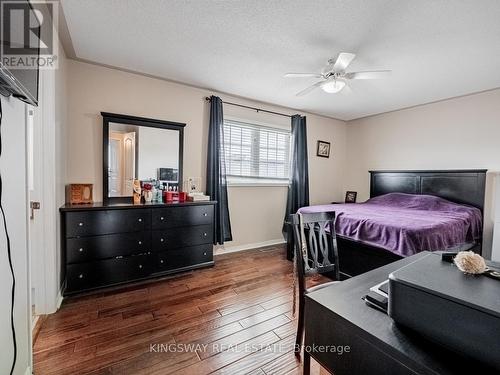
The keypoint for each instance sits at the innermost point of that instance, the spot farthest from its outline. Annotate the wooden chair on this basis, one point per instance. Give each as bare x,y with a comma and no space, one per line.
315,253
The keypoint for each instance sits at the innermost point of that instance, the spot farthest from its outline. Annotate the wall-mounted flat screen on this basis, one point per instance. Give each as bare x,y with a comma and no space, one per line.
20,46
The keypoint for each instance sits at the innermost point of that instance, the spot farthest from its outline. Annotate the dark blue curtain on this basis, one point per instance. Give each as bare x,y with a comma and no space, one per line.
216,172
298,189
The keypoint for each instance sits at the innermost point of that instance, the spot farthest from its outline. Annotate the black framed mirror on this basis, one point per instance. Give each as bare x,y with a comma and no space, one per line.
138,148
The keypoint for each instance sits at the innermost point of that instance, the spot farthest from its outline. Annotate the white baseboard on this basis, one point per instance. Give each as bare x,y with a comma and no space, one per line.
233,249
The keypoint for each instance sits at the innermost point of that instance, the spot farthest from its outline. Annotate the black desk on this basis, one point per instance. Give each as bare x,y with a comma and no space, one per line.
337,316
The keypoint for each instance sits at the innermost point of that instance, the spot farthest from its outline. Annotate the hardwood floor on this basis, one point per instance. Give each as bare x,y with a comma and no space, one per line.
234,318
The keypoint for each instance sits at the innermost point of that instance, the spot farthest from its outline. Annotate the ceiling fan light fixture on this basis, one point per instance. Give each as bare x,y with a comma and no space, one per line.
333,86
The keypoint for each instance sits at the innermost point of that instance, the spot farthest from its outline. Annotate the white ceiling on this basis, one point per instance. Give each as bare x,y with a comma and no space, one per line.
437,49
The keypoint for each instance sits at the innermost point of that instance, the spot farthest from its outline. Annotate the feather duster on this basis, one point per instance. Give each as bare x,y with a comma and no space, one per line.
470,262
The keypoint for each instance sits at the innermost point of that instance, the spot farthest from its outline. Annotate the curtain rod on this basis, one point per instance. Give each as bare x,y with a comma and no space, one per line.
253,108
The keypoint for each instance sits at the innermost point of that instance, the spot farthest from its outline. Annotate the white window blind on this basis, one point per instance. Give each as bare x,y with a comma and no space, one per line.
256,153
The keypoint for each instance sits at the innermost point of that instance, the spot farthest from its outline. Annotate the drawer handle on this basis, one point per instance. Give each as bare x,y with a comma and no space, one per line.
80,224
140,265
161,240
162,218
140,220
80,276
204,234
205,253
140,242
161,261
80,249
205,214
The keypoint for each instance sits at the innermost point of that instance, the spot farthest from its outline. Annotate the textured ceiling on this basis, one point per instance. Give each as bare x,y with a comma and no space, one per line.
437,49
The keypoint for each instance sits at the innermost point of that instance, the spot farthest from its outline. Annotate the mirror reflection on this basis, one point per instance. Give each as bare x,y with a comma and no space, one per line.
140,152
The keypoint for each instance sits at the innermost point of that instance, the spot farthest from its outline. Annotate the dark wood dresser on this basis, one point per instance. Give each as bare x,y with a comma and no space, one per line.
109,244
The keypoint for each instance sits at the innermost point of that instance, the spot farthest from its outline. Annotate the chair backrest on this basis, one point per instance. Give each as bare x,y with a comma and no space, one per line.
315,244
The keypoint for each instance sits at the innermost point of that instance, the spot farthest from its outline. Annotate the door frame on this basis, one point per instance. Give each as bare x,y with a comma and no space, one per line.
51,219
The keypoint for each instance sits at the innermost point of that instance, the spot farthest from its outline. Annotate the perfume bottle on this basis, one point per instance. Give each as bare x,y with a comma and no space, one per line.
137,192
159,196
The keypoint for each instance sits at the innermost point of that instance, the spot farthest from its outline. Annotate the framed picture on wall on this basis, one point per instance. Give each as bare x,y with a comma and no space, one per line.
350,196
323,149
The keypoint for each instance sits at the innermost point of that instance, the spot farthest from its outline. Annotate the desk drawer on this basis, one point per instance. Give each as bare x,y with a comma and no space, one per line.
82,276
85,249
182,237
91,223
183,257
173,217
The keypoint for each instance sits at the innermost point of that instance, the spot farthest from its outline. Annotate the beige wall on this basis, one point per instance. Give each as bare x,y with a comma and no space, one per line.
256,212
457,133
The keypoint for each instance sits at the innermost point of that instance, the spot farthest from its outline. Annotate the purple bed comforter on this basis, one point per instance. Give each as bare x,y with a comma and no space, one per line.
406,224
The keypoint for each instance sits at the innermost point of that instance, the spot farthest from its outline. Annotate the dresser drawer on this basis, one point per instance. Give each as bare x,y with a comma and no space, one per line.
183,257
85,249
167,239
82,276
172,217
91,223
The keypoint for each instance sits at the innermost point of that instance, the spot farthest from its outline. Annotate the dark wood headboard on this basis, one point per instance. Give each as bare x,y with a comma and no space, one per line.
460,186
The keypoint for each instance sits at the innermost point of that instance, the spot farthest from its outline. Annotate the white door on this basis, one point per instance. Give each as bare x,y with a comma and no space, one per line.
121,164
35,191
128,163
114,166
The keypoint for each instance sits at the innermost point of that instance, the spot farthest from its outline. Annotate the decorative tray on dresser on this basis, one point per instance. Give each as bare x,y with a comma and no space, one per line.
115,243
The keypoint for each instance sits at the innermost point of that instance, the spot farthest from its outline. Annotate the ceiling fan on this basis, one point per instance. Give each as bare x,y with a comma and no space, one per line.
334,77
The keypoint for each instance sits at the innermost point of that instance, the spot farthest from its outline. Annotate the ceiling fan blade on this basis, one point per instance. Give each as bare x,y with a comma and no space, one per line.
293,75
375,74
310,88
343,61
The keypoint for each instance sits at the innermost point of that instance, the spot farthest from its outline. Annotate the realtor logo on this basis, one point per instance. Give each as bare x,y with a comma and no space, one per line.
28,34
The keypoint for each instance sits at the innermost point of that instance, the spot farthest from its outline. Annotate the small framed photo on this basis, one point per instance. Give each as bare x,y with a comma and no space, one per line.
323,149
350,196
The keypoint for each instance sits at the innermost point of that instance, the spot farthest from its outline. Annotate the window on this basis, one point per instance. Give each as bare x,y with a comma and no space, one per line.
256,154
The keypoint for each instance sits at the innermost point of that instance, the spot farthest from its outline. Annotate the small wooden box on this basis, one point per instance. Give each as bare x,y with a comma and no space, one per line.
79,193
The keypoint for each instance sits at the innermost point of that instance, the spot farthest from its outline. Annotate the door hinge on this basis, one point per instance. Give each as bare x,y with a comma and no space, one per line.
34,206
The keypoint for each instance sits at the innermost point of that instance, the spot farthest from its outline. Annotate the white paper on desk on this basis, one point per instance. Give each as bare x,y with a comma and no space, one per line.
376,289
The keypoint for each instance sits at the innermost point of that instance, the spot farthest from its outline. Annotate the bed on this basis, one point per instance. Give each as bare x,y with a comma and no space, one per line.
409,212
